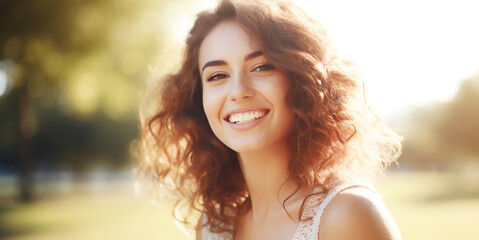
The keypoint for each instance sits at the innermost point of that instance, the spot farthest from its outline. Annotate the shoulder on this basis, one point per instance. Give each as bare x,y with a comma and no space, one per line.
357,213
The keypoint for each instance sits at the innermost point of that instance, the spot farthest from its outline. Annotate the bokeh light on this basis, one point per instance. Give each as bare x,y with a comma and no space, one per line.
3,82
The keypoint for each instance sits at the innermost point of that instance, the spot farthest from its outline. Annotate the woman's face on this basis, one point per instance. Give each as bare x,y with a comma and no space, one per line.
244,96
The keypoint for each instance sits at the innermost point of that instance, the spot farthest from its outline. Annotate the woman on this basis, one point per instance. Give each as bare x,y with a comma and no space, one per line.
266,134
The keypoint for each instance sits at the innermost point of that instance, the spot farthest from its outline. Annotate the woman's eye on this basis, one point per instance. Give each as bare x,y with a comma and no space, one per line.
217,76
264,67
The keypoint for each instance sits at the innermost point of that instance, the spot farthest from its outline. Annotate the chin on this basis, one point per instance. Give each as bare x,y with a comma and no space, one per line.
239,148
247,146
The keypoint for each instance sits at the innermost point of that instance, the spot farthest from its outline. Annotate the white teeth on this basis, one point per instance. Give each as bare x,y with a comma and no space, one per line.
245,117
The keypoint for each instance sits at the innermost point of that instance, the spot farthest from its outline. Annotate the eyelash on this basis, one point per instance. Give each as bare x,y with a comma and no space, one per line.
260,68
217,76
263,67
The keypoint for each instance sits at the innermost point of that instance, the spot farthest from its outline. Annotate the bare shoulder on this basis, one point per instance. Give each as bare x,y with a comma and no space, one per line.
357,213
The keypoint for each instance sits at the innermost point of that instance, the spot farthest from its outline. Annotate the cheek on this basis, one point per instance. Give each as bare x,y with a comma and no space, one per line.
281,101
207,106
279,92
212,108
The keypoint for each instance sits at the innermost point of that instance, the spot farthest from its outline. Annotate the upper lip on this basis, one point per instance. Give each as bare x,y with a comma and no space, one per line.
247,109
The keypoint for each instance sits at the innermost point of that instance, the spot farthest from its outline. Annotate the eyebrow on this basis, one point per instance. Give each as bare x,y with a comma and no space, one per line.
221,62
253,55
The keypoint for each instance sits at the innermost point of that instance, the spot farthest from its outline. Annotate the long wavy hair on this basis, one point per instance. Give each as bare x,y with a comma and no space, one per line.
336,137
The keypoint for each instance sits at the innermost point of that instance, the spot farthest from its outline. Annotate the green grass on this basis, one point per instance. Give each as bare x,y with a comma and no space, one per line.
118,215
425,206
433,205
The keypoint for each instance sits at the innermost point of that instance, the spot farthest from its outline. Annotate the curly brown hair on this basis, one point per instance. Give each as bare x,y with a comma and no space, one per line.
336,137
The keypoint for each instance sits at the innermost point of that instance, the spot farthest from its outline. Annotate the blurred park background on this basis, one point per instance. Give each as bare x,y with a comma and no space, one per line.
73,72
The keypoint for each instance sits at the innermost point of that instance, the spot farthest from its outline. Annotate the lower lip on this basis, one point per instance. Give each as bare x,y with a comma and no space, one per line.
246,126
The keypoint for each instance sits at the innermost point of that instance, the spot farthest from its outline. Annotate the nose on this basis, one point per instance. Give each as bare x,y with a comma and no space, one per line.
240,88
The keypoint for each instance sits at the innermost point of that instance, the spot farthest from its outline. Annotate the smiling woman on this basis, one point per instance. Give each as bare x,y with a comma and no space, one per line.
244,96
266,134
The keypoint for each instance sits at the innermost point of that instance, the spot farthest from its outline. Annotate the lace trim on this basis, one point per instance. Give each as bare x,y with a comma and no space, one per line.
307,225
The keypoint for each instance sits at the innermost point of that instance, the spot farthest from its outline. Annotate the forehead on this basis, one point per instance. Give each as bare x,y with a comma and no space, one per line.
226,41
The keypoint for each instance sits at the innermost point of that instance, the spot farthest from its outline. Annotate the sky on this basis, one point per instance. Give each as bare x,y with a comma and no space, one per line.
409,52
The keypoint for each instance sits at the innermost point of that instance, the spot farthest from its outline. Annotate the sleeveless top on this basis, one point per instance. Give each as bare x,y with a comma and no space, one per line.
309,228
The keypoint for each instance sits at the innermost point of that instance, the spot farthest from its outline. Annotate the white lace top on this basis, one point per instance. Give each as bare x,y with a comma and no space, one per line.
308,229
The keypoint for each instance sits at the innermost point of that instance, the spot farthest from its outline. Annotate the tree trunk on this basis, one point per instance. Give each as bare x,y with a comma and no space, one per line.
25,131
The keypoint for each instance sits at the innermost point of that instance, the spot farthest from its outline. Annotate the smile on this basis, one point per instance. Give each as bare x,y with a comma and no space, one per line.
246,117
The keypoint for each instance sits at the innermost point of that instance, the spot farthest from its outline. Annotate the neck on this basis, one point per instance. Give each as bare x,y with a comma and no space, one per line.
266,173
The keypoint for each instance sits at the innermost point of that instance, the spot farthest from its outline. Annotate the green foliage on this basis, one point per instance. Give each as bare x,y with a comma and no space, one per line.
76,70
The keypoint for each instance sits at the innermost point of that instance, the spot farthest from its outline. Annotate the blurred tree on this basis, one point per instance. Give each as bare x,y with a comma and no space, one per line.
459,124
422,145
445,134
75,69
